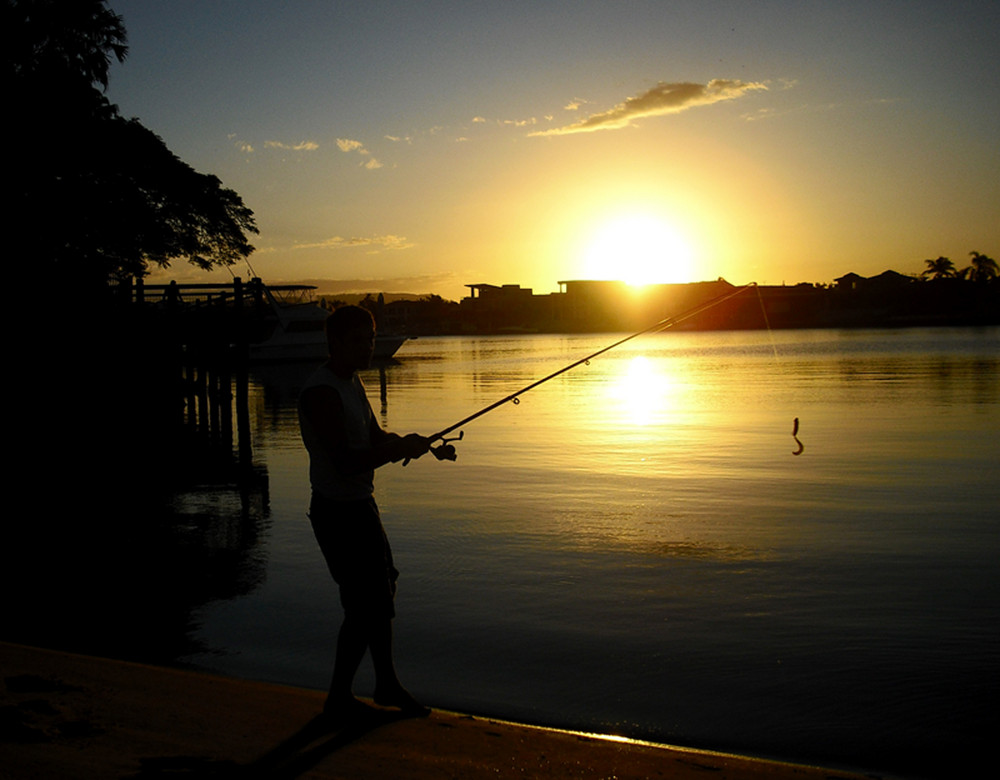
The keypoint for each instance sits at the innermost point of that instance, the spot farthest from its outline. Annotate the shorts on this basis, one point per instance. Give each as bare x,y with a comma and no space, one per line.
357,552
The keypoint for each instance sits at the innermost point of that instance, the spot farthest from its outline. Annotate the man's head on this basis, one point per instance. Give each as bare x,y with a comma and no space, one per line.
350,336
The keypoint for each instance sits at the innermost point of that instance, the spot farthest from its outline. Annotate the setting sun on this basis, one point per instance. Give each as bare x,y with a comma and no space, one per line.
638,249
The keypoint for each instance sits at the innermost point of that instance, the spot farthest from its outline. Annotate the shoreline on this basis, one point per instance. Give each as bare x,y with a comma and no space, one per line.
72,715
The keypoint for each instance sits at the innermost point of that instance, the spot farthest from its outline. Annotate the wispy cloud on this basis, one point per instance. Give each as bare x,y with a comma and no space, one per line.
520,122
349,145
302,146
374,244
662,99
818,108
244,146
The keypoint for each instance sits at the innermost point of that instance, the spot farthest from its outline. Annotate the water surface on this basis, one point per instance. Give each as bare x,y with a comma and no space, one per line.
634,548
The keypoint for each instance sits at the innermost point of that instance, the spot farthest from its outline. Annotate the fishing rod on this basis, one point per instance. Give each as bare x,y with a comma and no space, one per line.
446,451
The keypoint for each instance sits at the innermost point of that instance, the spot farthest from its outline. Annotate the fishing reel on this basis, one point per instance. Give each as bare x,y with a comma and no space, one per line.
446,451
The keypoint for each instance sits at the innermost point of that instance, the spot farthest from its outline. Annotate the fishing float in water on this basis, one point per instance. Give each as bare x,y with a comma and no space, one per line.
795,435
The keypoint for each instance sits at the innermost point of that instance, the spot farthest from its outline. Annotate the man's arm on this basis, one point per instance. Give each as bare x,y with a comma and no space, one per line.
396,447
325,410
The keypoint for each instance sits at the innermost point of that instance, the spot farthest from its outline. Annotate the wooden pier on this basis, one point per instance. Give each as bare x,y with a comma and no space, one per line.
192,343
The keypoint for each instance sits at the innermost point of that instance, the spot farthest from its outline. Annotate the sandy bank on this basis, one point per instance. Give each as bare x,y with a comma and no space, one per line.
71,716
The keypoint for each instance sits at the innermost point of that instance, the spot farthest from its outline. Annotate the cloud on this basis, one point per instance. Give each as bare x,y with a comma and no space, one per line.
350,145
239,143
520,122
247,148
302,146
662,99
375,244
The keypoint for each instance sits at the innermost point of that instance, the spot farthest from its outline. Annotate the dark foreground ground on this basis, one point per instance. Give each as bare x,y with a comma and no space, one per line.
72,716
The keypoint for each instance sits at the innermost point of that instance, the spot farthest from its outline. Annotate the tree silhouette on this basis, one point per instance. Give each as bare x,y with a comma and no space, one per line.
70,43
981,268
941,268
99,197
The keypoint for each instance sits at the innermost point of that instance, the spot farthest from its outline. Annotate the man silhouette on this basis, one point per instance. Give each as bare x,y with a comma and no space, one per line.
346,445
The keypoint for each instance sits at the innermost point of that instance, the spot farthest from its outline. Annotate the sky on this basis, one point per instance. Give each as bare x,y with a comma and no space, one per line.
424,146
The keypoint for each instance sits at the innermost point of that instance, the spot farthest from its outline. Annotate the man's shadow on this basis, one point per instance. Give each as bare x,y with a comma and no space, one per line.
290,759
316,740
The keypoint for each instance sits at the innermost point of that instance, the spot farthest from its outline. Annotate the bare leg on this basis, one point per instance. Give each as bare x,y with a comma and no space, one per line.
352,642
389,692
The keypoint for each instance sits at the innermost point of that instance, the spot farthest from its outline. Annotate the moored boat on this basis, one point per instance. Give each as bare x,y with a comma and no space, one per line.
298,333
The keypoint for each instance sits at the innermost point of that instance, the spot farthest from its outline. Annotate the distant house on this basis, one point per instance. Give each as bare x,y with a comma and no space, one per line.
888,280
493,308
594,304
885,281
849,282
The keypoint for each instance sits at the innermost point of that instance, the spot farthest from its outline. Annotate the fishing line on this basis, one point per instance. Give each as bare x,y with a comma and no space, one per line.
800,447
446,451
767,324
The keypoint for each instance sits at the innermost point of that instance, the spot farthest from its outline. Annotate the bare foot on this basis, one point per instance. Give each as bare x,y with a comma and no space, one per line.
400,698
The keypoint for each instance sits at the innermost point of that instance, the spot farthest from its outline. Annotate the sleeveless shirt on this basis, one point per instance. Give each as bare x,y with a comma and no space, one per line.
324,476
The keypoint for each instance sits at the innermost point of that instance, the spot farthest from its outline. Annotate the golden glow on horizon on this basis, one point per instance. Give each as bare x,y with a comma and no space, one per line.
638,249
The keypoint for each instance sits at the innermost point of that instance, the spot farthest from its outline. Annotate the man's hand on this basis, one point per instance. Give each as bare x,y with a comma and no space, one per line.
421,444
414,445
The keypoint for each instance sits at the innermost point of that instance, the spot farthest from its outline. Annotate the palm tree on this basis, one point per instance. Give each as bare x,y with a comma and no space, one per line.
981,268
941,268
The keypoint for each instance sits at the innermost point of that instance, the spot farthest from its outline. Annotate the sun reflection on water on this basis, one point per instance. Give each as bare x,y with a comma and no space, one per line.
643,393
